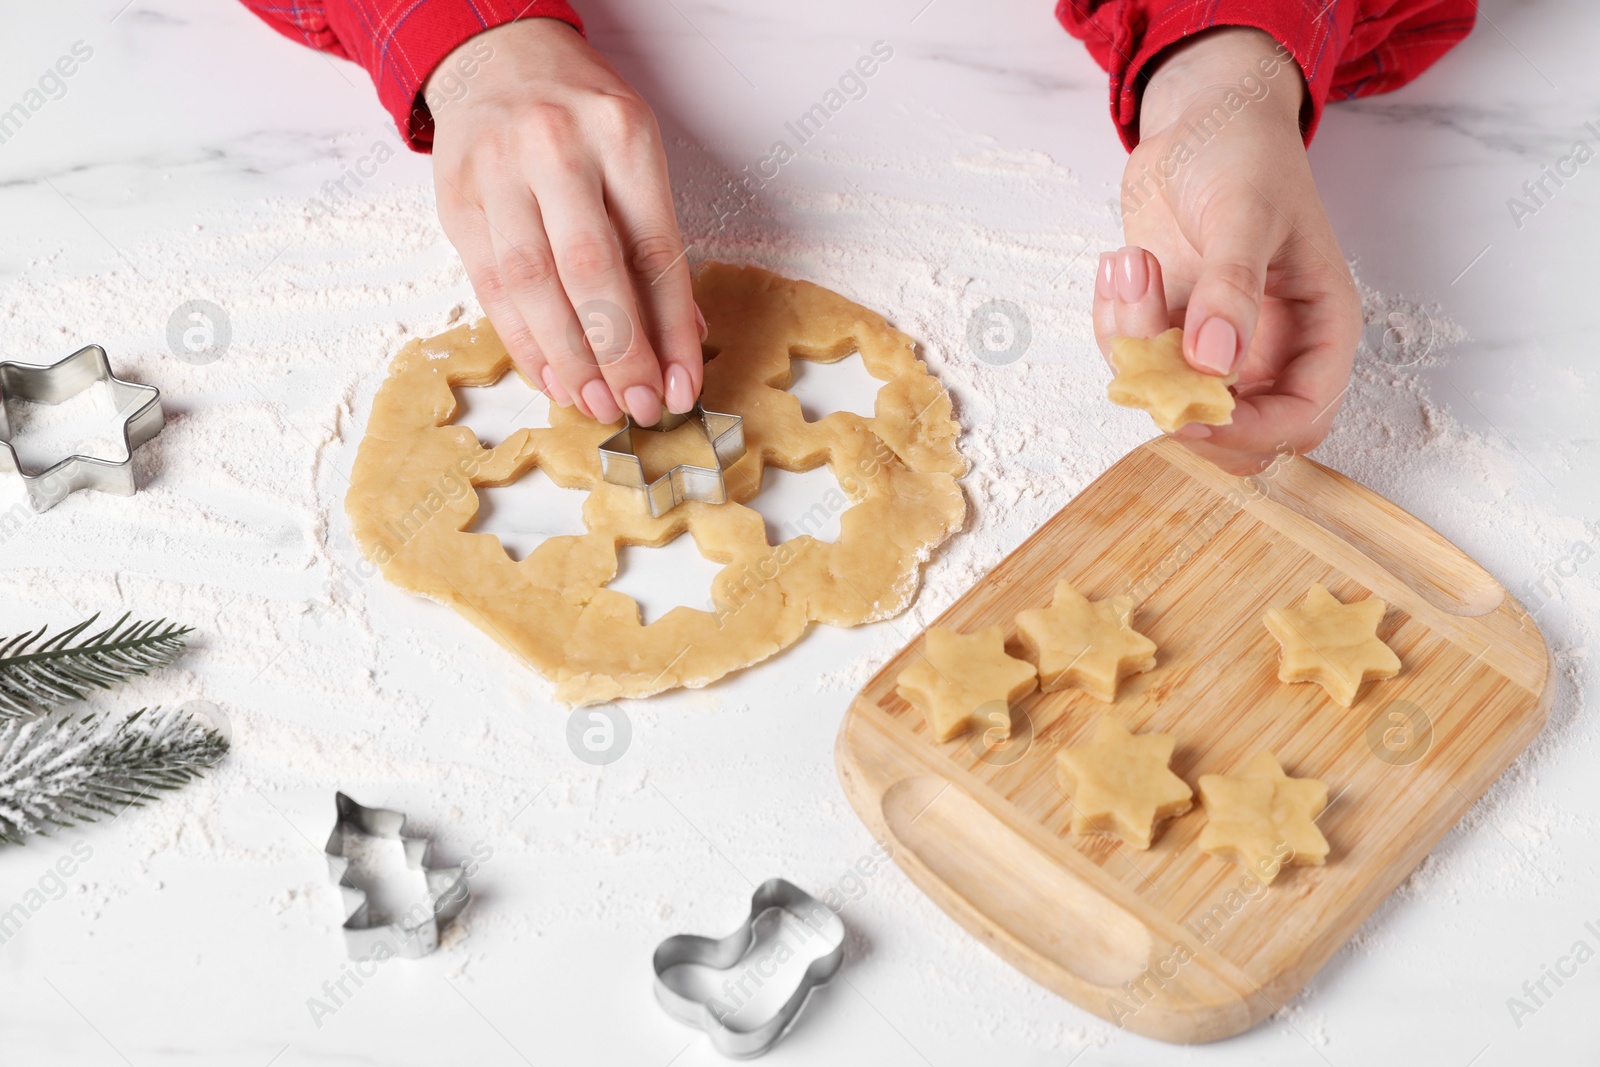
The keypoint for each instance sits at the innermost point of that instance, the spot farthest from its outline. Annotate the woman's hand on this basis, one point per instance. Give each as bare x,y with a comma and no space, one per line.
1228,238
552,185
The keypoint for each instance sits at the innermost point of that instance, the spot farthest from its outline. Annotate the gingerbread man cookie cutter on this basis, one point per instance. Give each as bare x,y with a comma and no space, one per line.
138,405
620,464
414,934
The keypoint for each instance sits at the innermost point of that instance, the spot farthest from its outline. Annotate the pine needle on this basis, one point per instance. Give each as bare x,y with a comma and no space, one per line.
58,773
38,674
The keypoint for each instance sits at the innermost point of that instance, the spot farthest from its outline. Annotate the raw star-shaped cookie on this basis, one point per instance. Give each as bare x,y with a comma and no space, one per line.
1120,784
1084,643
1335,645
964,678
1262,818
1152,375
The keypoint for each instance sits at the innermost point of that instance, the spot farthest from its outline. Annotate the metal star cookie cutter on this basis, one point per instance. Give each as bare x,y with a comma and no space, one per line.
738,1040
61,381
620,465
413,935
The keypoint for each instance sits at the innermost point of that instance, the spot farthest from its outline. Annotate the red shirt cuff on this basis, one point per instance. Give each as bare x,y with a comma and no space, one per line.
1344,48
401,42
1314,43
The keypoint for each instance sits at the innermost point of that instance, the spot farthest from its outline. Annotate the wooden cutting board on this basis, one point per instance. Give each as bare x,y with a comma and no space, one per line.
1173,943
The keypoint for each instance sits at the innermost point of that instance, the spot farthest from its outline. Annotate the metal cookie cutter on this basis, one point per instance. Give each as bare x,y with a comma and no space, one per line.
140,406
413,935
620,465
739,1040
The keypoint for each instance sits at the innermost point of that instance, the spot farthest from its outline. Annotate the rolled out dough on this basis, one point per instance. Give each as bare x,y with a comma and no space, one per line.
411,501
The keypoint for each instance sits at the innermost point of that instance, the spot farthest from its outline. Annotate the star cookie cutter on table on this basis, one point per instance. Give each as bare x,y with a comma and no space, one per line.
736,1039
620,464
58,382
411,936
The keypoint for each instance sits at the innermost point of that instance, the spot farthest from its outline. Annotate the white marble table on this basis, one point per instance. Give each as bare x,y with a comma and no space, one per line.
202,928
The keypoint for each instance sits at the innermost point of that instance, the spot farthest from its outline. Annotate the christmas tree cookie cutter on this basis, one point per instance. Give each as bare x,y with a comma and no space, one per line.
414,934
620,464
737,1038
138,405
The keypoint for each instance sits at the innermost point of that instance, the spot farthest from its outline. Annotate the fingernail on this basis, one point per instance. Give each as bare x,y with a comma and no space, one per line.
643,404
1105,284
680,390
1193,430
1215,345
1133,277
700,317
598,397
554,389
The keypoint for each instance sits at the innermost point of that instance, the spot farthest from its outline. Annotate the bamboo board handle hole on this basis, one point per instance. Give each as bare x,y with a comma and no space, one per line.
1396,540
1041,905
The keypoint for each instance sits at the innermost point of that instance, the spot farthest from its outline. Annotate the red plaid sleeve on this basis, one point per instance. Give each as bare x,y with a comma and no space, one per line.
1345,48
400,42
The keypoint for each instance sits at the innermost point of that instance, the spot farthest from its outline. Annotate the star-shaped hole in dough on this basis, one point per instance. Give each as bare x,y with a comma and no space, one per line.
1335,645
1262,818
963,679
1153,375
1119,783
1082,643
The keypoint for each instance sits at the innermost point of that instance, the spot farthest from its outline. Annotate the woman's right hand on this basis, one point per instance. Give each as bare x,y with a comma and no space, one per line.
552,184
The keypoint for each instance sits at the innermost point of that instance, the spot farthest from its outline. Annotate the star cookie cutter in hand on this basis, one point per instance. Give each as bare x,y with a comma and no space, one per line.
620,464
738,1039
139,406
411,936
